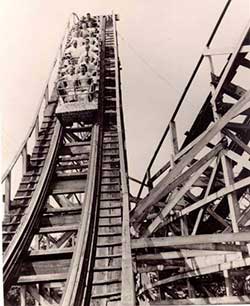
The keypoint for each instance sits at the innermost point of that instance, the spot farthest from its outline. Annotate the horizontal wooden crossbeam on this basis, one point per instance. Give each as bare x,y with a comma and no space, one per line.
189,240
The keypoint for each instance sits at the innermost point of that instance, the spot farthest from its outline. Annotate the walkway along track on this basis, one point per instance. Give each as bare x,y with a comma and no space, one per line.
64,237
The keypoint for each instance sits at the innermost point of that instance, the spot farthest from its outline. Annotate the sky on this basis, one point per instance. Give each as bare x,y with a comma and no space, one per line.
160,42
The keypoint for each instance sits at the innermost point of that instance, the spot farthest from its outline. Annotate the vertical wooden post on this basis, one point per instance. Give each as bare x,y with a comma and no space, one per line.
46,94
7,193
228,283
24,159
23,295
37,128
184,232
231,197
174,141
234,210
60,51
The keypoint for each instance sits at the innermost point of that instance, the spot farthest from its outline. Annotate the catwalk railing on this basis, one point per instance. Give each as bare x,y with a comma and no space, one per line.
48,92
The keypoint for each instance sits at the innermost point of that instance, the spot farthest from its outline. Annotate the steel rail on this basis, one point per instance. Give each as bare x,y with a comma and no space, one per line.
25,231
179,104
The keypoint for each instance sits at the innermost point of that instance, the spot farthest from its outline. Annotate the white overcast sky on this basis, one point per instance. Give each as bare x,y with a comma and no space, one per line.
160,42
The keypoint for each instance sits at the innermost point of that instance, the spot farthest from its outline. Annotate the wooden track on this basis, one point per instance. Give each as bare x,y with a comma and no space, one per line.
63,239
70,237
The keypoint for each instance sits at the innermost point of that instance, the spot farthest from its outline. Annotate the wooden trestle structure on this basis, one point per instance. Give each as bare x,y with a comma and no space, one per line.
70,236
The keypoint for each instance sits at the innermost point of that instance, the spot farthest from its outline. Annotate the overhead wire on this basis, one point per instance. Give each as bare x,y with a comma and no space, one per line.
149,65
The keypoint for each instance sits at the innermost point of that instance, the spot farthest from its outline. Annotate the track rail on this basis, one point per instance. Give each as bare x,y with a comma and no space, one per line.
67,241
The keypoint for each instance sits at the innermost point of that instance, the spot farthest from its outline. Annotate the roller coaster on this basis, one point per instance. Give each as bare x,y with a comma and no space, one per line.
73,235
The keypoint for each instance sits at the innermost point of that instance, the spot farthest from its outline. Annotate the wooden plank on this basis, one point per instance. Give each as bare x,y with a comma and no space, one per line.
182,253
46,265
27,279
59,219
58,229
225,300
49,252
188,240
68,186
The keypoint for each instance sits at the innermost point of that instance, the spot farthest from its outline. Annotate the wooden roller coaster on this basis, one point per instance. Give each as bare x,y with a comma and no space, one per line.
74,236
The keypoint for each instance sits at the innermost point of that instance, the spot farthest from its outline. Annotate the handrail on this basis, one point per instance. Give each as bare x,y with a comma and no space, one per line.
41,100
182,98
22,236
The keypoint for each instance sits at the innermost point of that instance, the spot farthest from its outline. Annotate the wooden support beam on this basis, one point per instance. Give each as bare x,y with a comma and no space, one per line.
244,217
59,229
174,140
45,265
24,159
208,189
217,217
188,240
245,62
237,126
50,252
204,163
234,206
23,295
38,297
237,140
7,194
68,186
63,239
222,192
225,51
203,271
239,159
182,253
161,189
225,300
37,128
232,90
63,201
28,279
60,220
